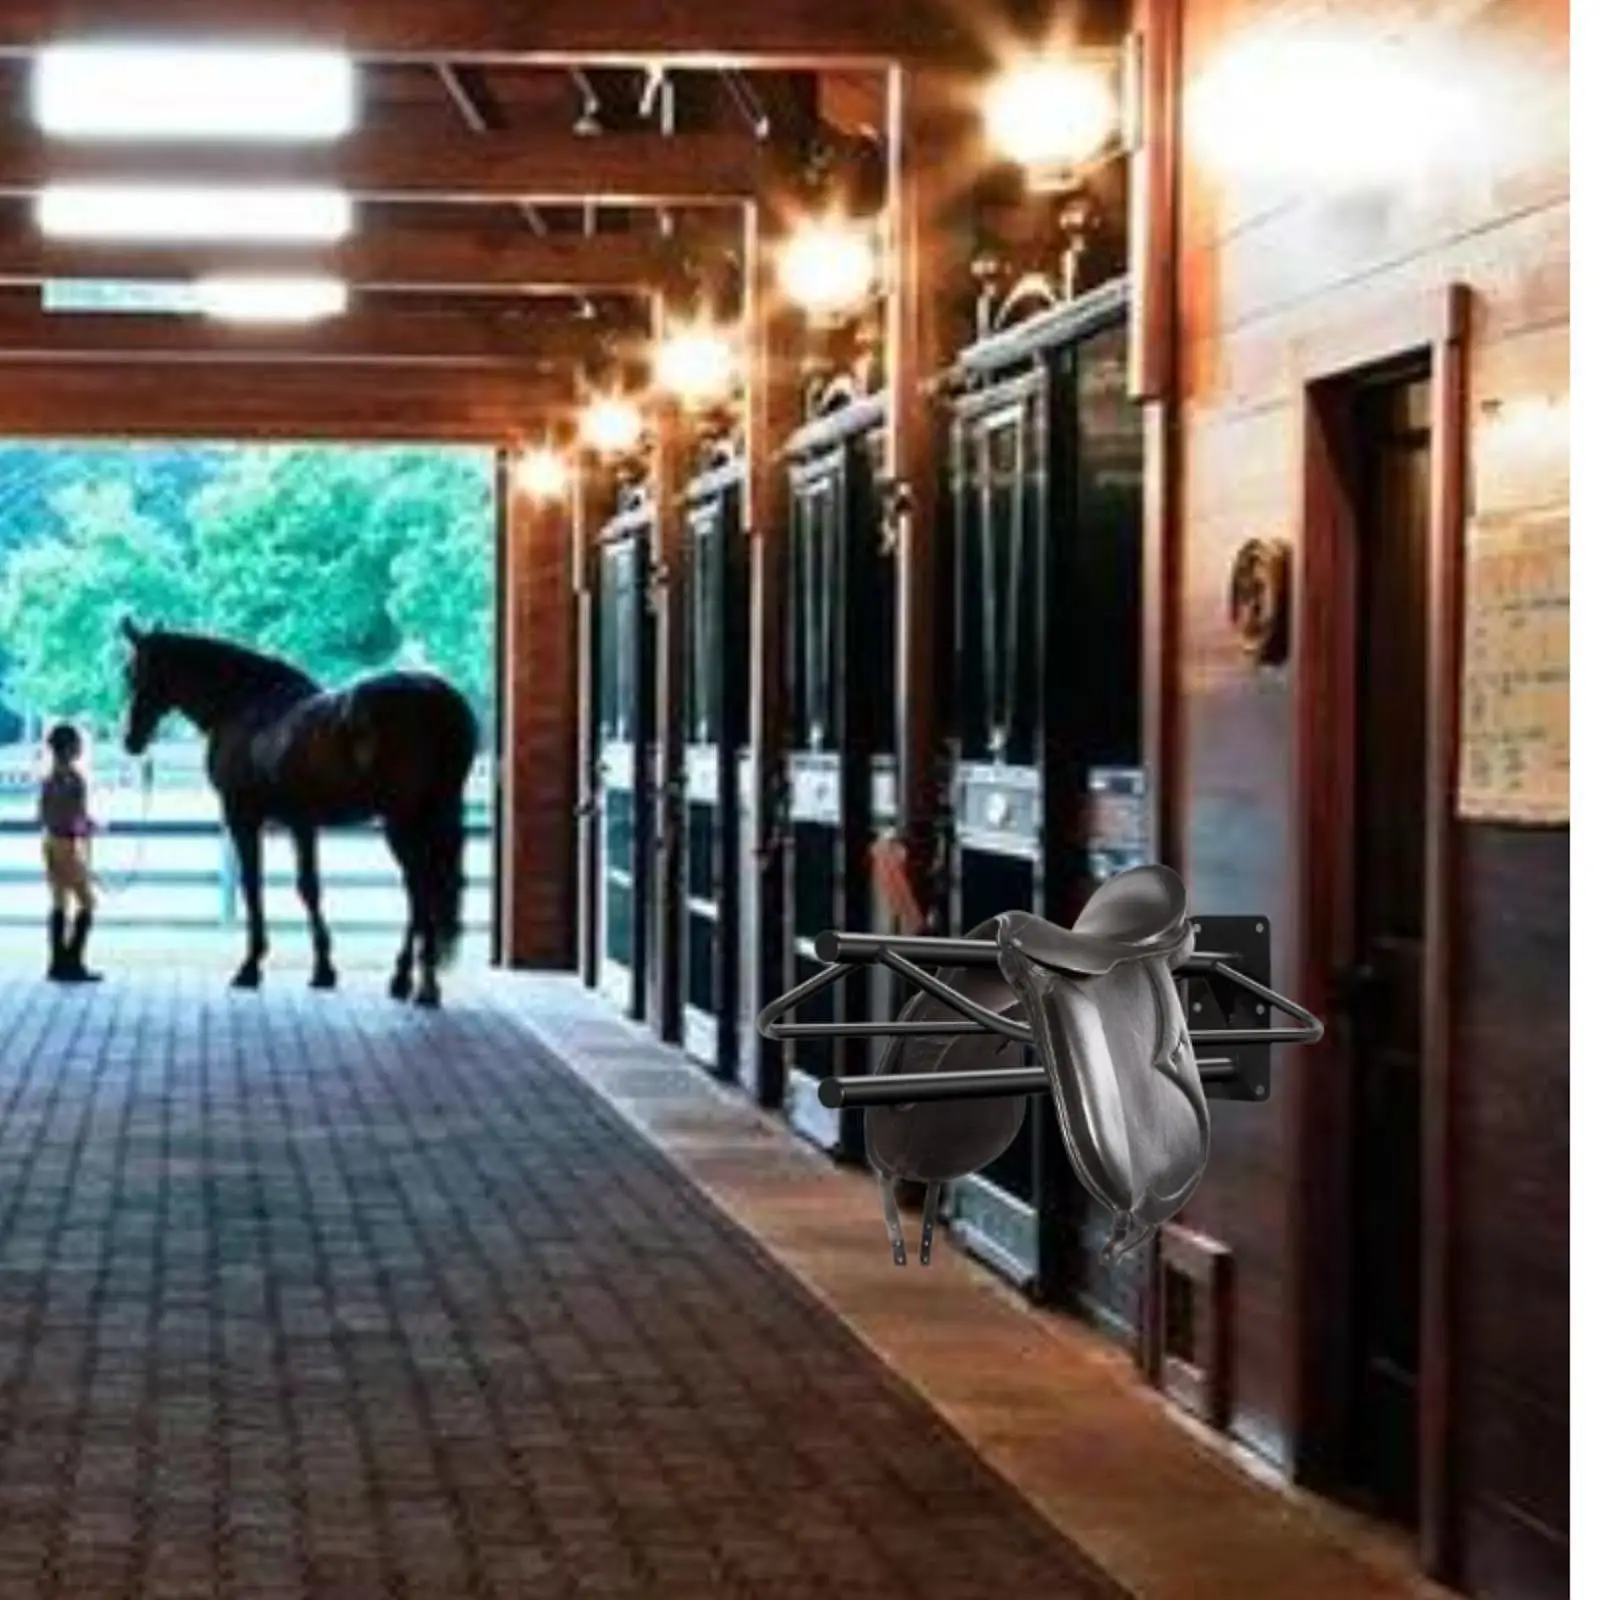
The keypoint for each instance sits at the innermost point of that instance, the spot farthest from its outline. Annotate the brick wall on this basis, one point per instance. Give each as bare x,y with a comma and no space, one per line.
538,843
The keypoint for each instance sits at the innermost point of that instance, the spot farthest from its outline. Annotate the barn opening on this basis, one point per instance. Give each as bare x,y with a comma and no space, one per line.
343,559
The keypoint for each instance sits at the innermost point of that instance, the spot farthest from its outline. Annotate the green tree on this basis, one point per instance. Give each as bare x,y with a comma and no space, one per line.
442,598
61,598
290,560
39,503
344,561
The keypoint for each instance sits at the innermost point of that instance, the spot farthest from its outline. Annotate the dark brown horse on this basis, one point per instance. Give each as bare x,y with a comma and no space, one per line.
396,746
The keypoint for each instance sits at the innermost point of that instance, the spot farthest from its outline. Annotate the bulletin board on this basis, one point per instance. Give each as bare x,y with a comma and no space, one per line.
1515,711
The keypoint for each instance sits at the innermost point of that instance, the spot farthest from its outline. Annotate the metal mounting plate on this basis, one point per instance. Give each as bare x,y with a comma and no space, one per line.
1213,1002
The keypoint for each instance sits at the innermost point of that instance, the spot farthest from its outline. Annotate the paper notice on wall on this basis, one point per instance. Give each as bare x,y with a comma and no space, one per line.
1515,711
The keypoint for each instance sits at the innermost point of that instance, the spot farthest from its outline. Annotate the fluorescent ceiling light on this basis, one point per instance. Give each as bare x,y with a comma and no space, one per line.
165,213
272,299
152,92
114,295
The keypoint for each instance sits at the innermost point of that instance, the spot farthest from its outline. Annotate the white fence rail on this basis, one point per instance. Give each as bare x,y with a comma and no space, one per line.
171,864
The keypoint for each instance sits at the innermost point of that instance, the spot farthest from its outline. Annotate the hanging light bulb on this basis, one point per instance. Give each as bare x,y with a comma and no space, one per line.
542,474
698,363
611,425
828,266
1051,114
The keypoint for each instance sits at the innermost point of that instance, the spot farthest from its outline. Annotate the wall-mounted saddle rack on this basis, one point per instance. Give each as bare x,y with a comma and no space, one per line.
1218,986
1115,1009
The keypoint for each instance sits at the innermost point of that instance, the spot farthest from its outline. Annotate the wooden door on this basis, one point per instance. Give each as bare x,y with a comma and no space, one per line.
1381,992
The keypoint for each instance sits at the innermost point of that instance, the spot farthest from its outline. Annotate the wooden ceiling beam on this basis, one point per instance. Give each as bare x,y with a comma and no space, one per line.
711,33
470,95
557,166
88,400
442,260
370,338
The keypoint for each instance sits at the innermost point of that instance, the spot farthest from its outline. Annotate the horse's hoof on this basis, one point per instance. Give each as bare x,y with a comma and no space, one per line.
324,978
400,986
246,979
428,998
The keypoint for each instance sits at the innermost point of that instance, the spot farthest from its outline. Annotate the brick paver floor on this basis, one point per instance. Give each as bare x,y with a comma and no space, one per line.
315,1295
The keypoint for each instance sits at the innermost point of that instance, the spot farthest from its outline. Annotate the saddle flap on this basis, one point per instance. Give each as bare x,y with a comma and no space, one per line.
1124,1081
935,1141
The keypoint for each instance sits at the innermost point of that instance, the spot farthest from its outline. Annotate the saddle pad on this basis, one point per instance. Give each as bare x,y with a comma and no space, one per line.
1124,1082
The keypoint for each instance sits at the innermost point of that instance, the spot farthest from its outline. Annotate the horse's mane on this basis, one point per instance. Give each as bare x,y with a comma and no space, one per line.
230,666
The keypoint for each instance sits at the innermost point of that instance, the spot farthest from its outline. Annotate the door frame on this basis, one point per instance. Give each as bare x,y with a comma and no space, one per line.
1327,365
504,735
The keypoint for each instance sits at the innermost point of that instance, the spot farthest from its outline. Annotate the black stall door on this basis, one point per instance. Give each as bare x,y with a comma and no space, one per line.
623,749
1046,779
840,701
716,715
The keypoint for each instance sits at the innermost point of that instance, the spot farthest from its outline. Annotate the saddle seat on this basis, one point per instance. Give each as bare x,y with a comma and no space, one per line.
1109,1028
1140,913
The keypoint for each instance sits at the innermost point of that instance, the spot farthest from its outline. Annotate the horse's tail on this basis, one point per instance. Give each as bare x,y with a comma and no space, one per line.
447,874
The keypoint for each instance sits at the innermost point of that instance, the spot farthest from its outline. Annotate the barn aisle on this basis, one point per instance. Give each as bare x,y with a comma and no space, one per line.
306,1295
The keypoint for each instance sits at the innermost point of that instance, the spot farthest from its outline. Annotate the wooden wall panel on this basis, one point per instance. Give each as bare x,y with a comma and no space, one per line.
1270,262
1512,1000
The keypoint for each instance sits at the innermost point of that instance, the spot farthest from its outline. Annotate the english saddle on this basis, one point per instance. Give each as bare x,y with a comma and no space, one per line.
1104,1015
1097,1005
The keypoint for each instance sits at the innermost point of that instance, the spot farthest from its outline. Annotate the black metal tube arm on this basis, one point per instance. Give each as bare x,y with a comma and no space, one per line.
918,1088
843,951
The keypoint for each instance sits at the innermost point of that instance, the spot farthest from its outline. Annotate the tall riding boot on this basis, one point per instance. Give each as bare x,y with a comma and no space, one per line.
76,971
58,947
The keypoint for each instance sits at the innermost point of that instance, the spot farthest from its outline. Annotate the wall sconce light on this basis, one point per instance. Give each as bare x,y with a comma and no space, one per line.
611,425
542,474
828,266
1052,115
698,363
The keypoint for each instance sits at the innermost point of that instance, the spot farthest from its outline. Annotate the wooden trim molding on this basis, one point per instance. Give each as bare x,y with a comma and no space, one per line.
1447,532
1154,359
1324,640
1153,197
1194,1323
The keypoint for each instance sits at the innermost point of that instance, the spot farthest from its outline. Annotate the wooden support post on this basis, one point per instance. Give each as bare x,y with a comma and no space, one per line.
920,339
667,603
1153,380
772,412
538,848
587,518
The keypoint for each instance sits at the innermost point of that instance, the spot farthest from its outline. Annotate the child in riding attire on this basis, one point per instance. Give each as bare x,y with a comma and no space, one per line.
64,818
